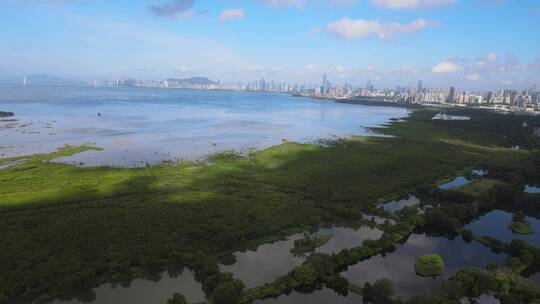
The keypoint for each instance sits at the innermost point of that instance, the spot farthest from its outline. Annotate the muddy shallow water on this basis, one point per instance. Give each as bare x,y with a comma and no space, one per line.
139,126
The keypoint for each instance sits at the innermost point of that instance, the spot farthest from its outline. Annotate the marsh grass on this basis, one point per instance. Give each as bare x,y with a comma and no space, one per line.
65,227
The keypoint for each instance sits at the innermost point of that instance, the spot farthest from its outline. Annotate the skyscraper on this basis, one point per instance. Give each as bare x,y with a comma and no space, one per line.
419,88
451,95
325,85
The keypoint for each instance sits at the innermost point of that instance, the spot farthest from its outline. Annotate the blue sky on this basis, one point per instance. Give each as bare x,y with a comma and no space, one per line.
473,44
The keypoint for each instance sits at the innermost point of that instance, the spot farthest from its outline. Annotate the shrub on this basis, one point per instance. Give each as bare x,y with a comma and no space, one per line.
430,265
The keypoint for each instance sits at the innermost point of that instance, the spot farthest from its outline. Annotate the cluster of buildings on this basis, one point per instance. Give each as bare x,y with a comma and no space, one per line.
505,100
502,100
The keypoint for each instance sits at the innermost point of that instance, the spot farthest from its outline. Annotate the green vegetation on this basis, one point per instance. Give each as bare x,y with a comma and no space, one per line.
480,186
177,299
324,269
380,292
520,225
309,244
521,228
430,265
64,227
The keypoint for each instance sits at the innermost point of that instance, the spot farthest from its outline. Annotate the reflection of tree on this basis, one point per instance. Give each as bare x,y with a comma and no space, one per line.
175,272
227,259
84,296
154,277
88,296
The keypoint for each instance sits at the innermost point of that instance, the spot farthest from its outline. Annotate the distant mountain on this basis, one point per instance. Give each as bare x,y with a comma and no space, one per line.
191,81
41,79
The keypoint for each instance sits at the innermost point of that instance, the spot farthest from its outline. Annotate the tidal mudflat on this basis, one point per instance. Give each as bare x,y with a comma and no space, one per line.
136,127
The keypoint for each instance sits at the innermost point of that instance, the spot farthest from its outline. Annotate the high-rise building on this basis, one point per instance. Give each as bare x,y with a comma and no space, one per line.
489,97
451,95
325,85
369,85
419,88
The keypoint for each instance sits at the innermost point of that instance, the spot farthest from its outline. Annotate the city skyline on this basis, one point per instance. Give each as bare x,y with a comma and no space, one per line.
390,42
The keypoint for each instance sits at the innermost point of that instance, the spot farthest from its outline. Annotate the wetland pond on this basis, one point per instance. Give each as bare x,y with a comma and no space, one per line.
399,204
532,189
495,224
270,261
154,290
324,296
398,266
455,183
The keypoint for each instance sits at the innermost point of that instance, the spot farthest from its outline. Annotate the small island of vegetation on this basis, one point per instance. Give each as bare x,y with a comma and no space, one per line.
6,114
520,225
430,265
309,244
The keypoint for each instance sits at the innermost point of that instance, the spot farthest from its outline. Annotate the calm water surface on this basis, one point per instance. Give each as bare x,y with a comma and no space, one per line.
495,224
455,183
142,291
325,296
343,237
398,266
139,126
271,261
265,264
532,189
397,205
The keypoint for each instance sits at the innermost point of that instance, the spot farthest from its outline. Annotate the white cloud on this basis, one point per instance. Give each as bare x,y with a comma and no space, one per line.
342,2
409,70
473,77
369,69
491,57
311,67
350,29
232,14
177,9
507,82
410,4
300,4
285,3
446,67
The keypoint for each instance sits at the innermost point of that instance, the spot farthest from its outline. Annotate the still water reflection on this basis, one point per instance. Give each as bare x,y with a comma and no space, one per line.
325,296
343,237
532,189
455,183
397,205
495,224
140,125
141,291
270,261
398,266
265,264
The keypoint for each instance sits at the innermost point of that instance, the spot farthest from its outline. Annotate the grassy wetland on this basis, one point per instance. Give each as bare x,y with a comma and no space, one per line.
65,228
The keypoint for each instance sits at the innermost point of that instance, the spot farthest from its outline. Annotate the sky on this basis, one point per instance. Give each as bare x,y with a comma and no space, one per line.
471,44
